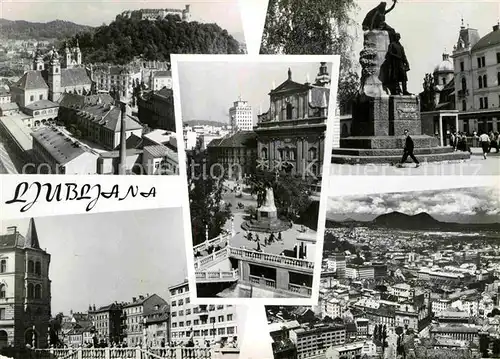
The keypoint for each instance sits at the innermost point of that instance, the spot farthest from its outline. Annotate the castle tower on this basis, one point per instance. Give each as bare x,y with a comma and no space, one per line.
323,77
78,53
67,56
54,78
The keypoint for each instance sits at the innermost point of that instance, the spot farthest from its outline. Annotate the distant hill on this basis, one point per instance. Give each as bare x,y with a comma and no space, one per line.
205,123
125,39
24,30
420,221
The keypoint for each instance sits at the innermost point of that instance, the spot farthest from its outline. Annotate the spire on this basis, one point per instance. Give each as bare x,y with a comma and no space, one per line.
289,74
31,240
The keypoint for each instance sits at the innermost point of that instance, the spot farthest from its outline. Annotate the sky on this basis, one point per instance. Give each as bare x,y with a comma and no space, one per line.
106,257
225,13
465,205
208,90
428,28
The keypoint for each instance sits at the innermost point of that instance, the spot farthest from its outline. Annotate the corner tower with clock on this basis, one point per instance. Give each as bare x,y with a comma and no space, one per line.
291,134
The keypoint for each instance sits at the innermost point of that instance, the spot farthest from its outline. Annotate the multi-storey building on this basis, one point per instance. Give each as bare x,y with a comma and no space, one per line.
5,96
156,109
161,79
157,14
477,80
158,326
236,153
136,313
24,289
292,132
241,116
200,323
108,322
314,341
116,78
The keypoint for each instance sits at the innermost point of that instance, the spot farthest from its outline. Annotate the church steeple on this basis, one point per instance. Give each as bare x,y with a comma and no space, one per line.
31,240
323,77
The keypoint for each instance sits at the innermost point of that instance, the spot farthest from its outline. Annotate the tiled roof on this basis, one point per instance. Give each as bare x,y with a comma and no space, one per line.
109,116
239,139
11,240
163,74
9,106
160,151
77,101
32,80
61,147
492,39
165,92
75,77
42,105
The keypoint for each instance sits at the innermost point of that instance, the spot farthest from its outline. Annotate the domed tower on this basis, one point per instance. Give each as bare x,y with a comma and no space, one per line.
443,72
38,64
323,77
54,77
67,56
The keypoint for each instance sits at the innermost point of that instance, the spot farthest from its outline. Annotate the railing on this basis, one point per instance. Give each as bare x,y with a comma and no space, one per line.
263,281
241,253
125,353
222,238
211,258
295,288
217,276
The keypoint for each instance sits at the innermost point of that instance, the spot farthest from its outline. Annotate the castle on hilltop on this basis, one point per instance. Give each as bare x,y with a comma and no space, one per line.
155,14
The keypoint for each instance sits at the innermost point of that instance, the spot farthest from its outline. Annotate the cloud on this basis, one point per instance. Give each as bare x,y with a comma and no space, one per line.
482,201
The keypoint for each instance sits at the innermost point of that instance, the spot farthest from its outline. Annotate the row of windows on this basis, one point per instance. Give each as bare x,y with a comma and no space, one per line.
481,62
290,153
220,319
205,332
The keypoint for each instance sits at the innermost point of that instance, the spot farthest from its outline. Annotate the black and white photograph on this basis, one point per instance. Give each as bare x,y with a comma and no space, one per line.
88,286
404,275
88,89
418,88
255,153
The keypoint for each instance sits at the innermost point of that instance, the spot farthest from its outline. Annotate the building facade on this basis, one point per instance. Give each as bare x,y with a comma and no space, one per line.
477,80
157,14
108,322
156,109
200,323
311,342
116,78
25,295
241,116
291,134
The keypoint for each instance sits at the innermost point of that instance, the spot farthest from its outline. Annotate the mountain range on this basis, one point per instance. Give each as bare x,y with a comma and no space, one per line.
420,221
24,30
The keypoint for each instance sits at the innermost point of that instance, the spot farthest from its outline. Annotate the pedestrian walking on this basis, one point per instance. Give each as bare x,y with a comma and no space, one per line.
484,140
408,149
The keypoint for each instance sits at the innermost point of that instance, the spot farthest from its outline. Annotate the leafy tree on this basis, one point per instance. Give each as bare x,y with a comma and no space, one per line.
315,27
208,210
427,96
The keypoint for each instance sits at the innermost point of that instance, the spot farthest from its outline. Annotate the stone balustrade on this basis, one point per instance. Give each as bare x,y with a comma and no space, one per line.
301,289
269,258
126,353
220,239
217,276
211,259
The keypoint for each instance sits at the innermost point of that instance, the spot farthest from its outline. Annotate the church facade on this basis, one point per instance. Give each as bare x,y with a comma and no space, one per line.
291,134
25,295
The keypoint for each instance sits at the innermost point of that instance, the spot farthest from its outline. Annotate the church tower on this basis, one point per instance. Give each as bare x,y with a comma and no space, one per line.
38,64
323,78
54,72
67,57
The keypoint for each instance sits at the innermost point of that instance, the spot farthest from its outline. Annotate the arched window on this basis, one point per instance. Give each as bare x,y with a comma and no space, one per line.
31,266
464,84
485,81
38,291
480,81
31,291
3,289
3,266
289,111
264,153
38,268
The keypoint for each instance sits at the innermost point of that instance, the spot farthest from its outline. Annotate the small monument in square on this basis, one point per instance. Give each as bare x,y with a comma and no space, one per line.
383,108
267,216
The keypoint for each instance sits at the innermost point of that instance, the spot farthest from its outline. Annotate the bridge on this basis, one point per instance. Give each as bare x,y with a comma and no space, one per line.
136,353
277,273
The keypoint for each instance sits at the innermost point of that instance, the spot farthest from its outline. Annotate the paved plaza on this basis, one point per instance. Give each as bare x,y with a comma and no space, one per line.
476,166
289,237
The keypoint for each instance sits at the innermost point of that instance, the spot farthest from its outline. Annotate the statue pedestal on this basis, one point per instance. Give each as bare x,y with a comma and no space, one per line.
267,220
379,119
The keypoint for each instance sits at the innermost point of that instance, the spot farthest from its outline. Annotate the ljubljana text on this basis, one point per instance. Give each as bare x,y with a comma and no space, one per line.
31,193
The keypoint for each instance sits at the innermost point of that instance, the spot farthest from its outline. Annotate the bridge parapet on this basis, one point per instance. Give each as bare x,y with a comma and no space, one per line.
126,353
217,276
271,259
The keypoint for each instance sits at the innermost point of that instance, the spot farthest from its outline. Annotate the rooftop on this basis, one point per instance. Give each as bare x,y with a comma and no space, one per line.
41,105
491,39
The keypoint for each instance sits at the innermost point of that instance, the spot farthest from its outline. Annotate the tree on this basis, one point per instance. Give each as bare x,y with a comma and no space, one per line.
315,27
428,95
208,210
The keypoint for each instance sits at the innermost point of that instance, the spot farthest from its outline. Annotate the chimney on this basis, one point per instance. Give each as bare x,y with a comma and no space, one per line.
134,299
495,27
12,230
122,166
289,74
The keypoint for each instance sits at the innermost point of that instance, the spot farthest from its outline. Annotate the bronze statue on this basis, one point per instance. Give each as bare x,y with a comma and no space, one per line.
375,19
393,70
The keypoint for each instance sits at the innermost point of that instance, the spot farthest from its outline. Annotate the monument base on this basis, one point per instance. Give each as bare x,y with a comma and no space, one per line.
266,225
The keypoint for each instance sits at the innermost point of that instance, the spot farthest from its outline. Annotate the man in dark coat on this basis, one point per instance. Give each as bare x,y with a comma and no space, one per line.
395,67
408,150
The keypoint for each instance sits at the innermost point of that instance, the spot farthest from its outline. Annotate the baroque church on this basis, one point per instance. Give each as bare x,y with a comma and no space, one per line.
291,134
25,294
